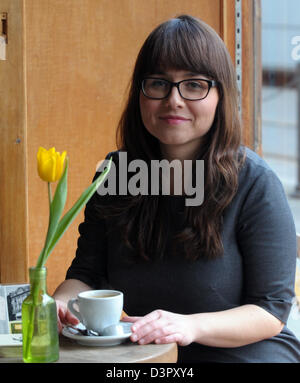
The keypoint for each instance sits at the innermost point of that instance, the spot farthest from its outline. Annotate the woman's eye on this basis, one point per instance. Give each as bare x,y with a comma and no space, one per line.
158,84
193,85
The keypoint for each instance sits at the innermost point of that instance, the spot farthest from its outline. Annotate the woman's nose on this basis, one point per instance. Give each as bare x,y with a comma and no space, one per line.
174,98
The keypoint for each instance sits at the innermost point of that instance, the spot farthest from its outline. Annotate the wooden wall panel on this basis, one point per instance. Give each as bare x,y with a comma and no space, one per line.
251,74
13,165
78,57
227,25
79,61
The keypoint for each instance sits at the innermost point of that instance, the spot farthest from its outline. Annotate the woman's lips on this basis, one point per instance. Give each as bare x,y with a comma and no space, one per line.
174,120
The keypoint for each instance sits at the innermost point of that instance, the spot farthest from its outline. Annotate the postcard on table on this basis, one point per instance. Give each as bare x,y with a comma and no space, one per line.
11,299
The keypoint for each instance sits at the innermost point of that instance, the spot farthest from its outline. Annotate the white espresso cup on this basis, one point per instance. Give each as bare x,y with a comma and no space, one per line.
98,308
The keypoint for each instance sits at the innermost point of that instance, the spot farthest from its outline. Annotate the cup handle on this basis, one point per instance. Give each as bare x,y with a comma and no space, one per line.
72,309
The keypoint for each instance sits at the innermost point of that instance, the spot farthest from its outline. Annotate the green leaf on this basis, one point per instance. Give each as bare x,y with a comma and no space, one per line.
72,213
56,209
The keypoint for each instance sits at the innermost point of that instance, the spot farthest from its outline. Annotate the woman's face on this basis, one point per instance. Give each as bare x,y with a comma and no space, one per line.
179,124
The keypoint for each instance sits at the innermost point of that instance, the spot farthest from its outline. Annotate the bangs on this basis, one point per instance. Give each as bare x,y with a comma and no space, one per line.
174,46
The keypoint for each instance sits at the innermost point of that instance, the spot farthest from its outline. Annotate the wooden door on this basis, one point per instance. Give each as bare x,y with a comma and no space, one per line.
53,93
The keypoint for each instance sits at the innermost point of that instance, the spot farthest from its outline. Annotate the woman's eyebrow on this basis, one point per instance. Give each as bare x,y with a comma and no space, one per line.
193,74
157,73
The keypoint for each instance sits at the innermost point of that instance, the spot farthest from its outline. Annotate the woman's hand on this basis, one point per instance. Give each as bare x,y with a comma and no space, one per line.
64,316
162,327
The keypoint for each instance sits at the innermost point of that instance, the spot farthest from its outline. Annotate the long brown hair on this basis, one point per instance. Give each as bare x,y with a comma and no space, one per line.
190,44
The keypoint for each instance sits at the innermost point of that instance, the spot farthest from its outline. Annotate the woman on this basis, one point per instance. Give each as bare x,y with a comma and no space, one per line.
216,278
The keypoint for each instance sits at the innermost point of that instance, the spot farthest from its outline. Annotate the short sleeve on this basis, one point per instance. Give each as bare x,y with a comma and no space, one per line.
267,240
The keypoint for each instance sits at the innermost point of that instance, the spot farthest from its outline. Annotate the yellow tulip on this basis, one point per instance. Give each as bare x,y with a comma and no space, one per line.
50,164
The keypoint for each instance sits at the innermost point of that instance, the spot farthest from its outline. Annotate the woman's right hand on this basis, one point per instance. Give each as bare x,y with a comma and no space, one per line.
64,316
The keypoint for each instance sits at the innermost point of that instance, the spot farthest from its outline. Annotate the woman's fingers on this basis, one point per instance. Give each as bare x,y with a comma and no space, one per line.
130,319
172,338
150,327
162,327
64,316
158,330
70,318
149,318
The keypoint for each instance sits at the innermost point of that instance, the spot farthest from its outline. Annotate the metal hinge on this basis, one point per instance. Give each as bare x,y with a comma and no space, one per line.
3,35
238,48
4,25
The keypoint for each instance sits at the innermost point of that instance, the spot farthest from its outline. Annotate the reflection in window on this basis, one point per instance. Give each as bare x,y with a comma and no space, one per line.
281,108
281,94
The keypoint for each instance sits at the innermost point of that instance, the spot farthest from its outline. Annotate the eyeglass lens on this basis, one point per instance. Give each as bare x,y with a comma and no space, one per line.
189,89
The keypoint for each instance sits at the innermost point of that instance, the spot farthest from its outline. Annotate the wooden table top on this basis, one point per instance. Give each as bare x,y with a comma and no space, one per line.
128,352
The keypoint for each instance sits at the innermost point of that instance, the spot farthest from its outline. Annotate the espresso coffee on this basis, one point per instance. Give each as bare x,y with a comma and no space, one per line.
103,296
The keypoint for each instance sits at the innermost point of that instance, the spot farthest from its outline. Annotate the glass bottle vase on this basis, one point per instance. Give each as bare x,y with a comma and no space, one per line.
39,321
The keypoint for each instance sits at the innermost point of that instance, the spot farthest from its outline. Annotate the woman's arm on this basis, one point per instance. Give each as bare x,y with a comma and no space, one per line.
69,288
235,327
230,328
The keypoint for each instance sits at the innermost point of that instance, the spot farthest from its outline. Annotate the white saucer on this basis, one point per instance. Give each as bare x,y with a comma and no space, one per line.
98,340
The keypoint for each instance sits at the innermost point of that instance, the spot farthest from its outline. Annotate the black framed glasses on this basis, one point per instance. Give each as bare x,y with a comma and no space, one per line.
191,89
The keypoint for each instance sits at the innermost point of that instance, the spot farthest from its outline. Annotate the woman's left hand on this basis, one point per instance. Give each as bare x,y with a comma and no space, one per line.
162,327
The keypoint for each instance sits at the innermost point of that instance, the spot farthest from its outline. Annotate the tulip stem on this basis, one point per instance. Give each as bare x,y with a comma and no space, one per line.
49,194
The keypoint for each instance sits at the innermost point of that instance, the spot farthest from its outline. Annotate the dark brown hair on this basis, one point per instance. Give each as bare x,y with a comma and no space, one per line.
183,43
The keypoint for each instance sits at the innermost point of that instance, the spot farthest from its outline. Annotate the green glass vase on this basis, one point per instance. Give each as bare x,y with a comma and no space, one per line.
39,321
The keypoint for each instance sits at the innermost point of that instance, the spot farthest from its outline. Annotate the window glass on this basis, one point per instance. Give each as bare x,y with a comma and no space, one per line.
281,94
280,109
